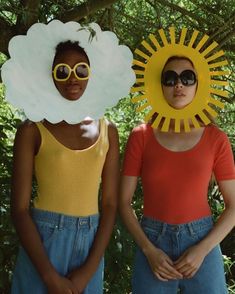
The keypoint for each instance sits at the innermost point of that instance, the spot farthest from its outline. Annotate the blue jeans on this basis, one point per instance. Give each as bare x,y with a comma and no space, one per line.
174,240
67,241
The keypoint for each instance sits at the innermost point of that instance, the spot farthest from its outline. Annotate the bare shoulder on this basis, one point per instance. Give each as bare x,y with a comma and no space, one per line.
28,133
112,129
112,133
28,127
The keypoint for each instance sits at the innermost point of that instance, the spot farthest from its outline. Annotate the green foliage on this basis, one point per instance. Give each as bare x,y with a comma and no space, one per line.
226,121
125,117
119,256
8,244
228,267
131,21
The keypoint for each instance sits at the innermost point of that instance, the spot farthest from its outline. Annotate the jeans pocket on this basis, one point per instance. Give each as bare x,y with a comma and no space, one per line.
153,235
198,235
47,233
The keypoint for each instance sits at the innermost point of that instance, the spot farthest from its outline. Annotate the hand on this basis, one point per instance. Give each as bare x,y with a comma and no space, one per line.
80,278
61,285
161,265
189,263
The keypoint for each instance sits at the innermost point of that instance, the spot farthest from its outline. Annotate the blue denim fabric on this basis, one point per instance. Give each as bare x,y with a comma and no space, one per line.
67,241
174,240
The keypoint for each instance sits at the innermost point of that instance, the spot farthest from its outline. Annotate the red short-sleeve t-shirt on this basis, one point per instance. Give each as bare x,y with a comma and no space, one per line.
175,184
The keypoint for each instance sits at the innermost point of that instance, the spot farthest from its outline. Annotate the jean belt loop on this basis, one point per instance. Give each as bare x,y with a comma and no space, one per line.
78,223
90,222
163,228
61,222
191,230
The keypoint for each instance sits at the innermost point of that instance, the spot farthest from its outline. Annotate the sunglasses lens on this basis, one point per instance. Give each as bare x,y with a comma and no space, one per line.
62,72
82,71
169,78
188,78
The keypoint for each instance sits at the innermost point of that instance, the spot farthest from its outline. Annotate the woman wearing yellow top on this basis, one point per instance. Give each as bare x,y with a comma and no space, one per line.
64,236
60,241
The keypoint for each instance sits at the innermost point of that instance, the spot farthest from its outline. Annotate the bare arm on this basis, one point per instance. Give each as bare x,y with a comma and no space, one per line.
226,221
26,143
160,263
190,261
110,181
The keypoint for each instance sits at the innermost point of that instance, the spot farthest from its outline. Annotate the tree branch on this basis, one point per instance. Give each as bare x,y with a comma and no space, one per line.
6,33
28,15
228,37
182,10
85,9
208,10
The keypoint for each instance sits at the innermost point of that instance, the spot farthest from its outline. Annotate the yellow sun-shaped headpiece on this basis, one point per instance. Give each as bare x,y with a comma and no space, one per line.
207,64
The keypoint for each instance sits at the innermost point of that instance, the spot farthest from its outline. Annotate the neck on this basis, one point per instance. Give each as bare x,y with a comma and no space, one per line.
171,128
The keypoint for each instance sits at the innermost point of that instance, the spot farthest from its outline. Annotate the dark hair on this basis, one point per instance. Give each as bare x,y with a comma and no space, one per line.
177,57
62,47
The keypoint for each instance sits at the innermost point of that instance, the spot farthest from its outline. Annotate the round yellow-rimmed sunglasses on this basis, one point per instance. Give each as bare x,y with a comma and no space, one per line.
62,71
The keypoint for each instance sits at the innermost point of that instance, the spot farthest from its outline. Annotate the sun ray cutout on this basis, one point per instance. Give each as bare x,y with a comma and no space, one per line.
211,78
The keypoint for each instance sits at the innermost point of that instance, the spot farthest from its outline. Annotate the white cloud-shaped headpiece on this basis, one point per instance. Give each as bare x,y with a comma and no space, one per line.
28,79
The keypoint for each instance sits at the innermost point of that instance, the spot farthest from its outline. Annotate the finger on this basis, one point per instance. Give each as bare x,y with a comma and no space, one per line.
180,259
180,265
173,275
167,275
167,269
172,271
183,268
169,261
190,272
73,290
187,270
160,277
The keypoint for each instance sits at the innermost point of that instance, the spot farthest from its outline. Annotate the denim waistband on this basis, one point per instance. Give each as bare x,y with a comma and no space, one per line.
197,225
60,220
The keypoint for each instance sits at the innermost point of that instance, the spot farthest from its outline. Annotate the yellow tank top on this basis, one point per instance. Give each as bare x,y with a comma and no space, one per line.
68,180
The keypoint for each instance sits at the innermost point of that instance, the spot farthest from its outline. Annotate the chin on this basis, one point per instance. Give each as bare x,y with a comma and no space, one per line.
72,97
178,106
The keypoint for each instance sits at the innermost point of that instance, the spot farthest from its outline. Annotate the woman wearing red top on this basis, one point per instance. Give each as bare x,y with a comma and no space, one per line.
177,241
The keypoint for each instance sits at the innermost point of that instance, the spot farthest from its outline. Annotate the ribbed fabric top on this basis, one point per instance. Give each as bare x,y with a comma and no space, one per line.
68,180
